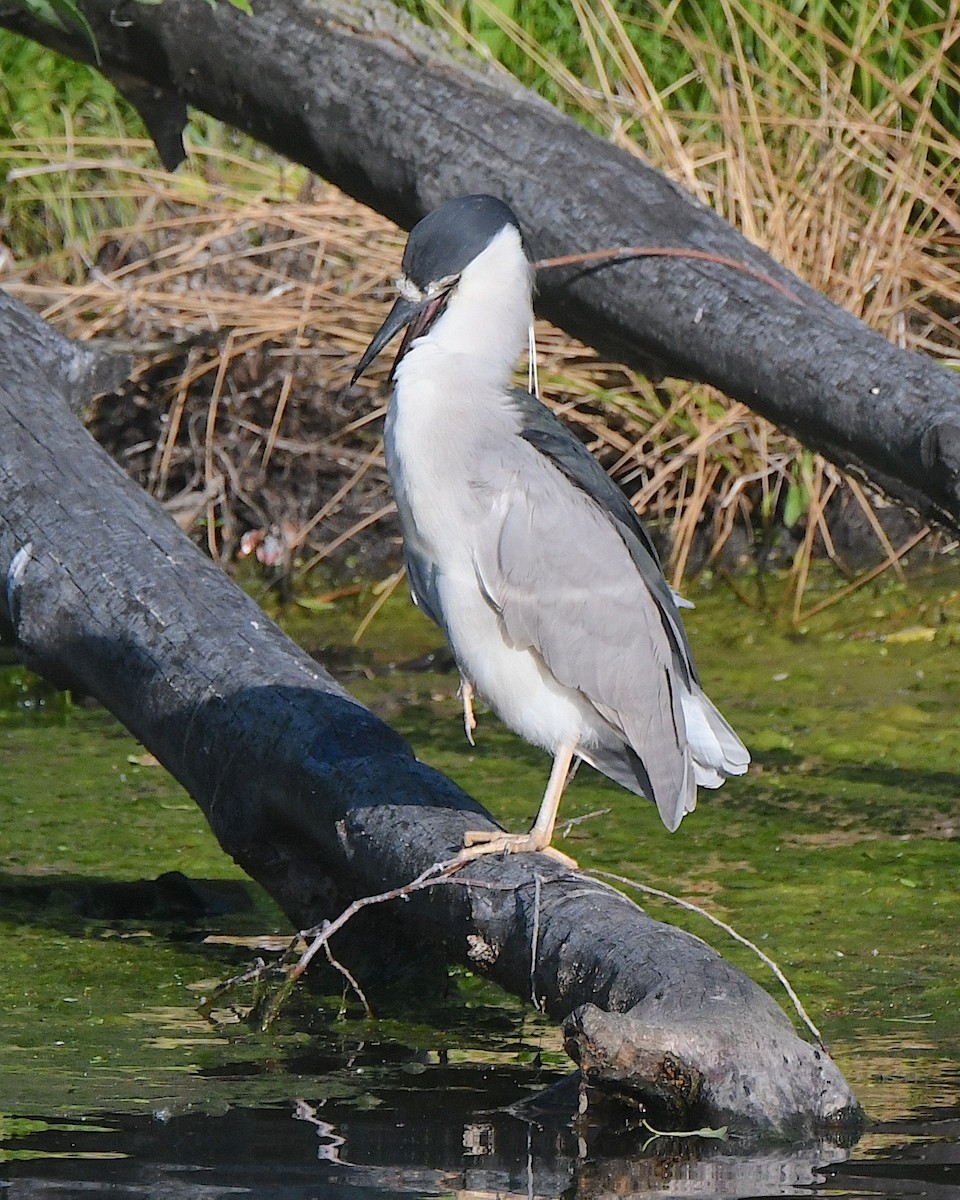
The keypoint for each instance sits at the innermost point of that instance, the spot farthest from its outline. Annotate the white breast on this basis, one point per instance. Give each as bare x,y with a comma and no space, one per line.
434,449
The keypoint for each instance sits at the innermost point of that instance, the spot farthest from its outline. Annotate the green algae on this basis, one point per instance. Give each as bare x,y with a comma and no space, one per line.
837,854
104,974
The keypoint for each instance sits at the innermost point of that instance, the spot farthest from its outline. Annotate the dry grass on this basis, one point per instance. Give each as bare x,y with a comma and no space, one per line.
246,294
828,152
247,291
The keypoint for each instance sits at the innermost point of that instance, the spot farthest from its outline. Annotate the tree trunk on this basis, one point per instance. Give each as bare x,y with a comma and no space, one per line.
370,100
322,803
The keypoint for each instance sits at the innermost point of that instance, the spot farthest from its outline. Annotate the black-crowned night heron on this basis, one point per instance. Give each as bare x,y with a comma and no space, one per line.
520,546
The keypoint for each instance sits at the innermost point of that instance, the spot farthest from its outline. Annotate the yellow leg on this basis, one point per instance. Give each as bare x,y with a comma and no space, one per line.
489,841
466,697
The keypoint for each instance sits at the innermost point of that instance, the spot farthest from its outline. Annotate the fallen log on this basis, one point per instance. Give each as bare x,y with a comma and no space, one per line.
322,803
369,99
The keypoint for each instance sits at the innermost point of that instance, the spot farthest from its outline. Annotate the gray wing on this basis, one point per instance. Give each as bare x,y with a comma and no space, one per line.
556,567
551,438
421,569
422,579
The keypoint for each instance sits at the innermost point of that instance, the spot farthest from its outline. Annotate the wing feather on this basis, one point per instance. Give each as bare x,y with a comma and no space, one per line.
564,585
566,563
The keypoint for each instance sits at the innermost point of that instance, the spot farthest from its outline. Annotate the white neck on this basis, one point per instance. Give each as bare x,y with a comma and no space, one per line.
483,329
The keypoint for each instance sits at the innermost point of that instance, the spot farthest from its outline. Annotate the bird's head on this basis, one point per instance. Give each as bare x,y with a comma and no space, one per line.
468,249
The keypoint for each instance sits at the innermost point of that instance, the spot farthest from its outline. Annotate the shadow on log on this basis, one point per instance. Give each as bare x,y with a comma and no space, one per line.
322,803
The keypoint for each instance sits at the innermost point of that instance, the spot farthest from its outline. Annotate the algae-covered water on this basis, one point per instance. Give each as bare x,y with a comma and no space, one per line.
837,854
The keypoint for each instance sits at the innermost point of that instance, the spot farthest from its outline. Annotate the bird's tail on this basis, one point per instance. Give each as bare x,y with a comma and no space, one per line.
716,750
709,753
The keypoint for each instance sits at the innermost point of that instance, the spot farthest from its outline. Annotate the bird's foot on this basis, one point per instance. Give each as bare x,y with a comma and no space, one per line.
479,842
469,719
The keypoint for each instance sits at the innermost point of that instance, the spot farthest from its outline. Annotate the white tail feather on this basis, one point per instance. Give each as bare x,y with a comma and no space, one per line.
716,750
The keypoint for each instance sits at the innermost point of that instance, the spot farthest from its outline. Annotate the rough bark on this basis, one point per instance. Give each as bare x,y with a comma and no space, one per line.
365,97
321,802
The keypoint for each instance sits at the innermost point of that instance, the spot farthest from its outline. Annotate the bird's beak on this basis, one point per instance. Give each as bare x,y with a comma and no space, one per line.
415,315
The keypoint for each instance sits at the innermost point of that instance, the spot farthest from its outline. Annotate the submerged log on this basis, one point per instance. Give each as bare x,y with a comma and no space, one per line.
322,803
366,97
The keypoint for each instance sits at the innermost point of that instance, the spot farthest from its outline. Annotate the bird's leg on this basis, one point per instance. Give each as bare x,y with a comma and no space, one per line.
466,698
542,830
493,841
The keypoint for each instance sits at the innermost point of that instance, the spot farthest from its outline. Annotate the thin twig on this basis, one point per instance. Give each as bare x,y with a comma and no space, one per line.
384,590
318,936
349,977
535,940
208,457
728,929
617,254
572,822
862,580
326,509
436,874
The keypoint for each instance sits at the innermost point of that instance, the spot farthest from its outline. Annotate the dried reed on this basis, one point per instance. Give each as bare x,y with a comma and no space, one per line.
831,144
246,291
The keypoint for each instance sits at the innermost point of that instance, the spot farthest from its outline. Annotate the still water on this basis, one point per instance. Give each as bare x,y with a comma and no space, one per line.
837,855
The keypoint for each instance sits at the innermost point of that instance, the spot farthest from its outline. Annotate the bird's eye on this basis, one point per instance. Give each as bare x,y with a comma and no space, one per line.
408,289
439,286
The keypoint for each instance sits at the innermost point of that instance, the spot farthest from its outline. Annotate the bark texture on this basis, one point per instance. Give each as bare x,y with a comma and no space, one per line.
370,100
321,802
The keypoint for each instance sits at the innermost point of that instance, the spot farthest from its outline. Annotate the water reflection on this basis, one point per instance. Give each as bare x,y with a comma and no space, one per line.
458,1130
915,1158
298,1152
